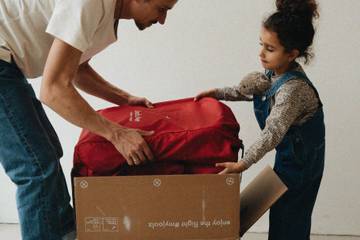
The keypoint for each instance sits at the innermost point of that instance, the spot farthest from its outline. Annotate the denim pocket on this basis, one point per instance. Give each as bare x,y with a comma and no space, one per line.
290,161
299,151
316,161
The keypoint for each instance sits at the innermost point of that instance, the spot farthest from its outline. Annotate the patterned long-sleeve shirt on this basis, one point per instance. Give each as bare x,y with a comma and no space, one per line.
293,104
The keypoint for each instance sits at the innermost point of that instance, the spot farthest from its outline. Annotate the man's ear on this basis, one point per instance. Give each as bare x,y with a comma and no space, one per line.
293,55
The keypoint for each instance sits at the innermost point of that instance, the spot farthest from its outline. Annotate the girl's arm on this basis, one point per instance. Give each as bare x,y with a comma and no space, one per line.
235,93
291,102
230,94
294,102
252,83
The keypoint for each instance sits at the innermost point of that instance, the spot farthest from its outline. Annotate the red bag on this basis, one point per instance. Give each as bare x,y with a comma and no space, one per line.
187,134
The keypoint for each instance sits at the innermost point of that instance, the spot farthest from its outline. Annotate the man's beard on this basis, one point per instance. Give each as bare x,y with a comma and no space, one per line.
140,26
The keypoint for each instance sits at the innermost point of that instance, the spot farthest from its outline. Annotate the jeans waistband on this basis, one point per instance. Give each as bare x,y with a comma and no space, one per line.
10,74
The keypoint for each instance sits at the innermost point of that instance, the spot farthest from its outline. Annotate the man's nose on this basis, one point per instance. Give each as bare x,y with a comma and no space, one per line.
162,18
261,53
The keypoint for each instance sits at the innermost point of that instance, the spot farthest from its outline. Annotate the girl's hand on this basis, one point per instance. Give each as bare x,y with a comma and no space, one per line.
132,100
209,93
232,167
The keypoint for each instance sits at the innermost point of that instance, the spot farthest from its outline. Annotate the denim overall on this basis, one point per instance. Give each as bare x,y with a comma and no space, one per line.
29,152
299,163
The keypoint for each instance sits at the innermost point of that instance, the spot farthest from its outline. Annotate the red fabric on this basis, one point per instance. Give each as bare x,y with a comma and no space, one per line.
186,132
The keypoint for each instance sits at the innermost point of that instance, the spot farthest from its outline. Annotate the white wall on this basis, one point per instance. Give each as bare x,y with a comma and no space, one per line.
213,43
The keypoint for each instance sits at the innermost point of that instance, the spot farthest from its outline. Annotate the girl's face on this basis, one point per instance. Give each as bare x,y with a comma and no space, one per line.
272,54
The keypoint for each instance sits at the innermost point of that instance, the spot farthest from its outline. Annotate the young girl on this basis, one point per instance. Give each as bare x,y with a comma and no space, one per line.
290,115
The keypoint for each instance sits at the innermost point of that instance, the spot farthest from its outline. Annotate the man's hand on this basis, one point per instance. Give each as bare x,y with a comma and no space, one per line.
132,100
232,167
209,93
131,144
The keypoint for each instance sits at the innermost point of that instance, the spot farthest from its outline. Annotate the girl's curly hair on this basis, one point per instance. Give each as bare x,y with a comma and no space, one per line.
293,23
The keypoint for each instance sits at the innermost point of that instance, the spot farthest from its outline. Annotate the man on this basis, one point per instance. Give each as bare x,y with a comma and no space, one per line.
56,39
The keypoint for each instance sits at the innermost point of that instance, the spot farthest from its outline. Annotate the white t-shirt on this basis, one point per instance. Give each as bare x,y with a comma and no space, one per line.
28,28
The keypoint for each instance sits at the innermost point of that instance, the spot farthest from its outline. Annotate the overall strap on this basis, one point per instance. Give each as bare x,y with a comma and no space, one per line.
286,77
283,79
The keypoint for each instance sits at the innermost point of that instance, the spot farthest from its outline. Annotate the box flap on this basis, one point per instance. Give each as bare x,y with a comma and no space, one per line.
259,196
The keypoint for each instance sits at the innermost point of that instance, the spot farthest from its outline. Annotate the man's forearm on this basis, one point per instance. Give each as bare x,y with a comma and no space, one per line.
58,92
68,103
89,81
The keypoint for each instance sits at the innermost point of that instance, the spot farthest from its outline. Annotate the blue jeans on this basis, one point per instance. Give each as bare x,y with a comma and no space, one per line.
29,152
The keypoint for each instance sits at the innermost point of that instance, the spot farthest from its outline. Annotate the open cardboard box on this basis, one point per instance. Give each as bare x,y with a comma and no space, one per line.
175,207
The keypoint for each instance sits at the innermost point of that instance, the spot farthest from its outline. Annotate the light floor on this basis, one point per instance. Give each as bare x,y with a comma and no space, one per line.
11,232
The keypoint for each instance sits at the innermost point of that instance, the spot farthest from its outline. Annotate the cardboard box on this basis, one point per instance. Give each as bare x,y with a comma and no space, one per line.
158,207
176,207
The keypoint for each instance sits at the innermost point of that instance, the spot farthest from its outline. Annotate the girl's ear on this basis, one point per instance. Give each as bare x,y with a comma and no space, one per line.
293,55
